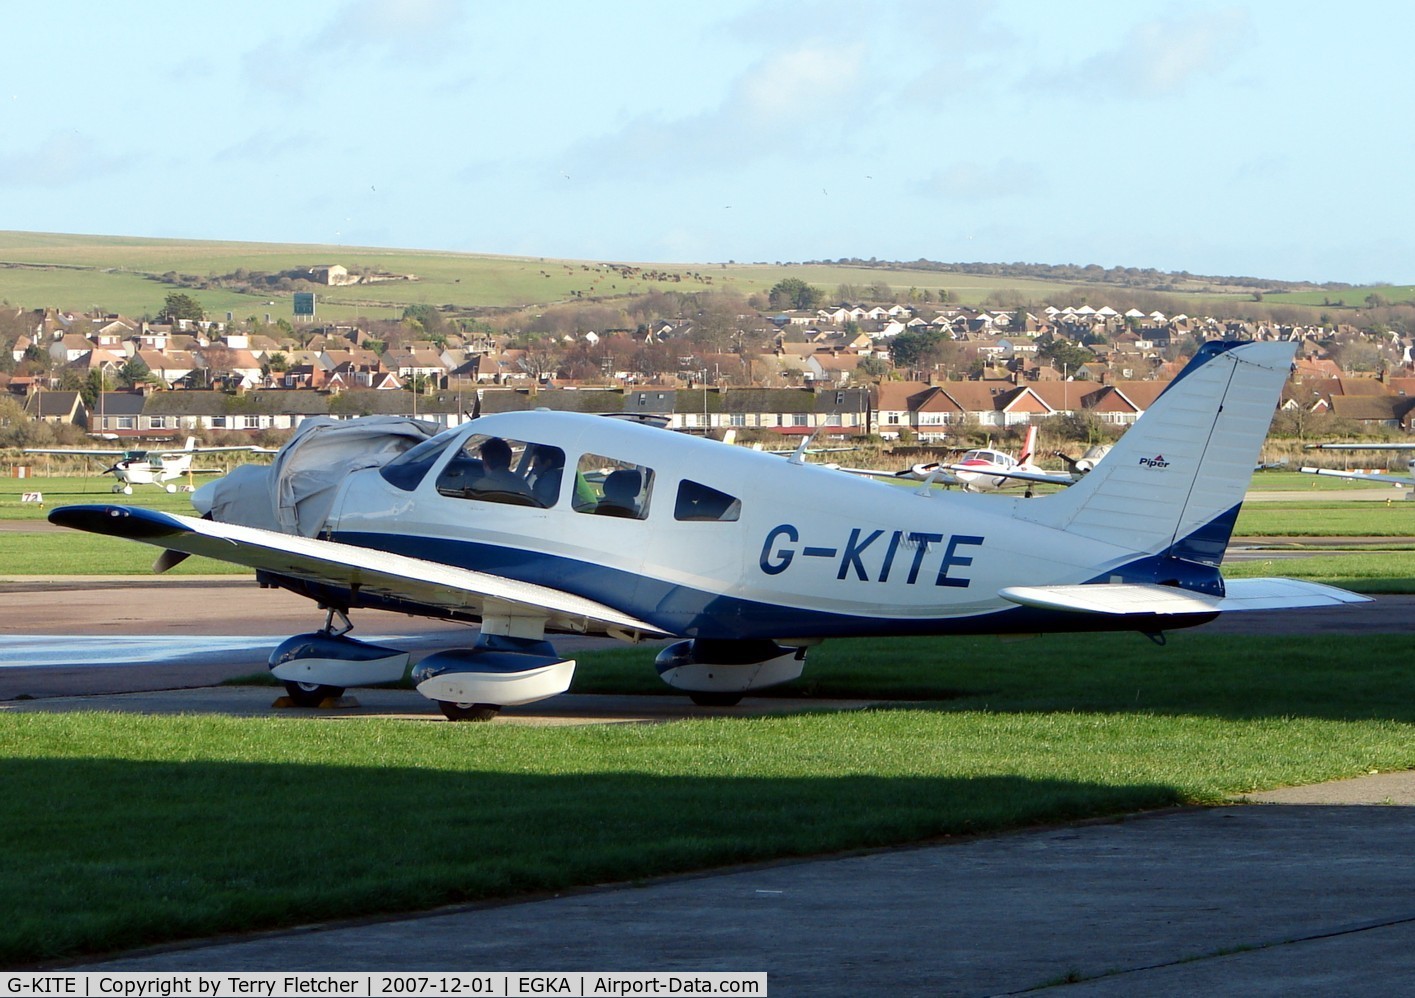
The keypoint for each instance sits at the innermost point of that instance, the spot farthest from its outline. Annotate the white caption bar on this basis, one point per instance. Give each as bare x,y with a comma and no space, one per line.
462,984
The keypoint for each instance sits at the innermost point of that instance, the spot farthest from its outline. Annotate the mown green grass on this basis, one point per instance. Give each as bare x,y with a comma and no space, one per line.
125,830
46,552
1327,519
83,489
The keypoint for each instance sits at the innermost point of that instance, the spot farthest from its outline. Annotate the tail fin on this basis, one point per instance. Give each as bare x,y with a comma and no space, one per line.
1175,481
1029,447
191,443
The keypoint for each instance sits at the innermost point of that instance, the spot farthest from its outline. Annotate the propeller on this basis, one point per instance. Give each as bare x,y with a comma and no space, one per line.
171,559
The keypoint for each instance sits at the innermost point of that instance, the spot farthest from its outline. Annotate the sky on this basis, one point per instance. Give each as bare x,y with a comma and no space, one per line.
1265,139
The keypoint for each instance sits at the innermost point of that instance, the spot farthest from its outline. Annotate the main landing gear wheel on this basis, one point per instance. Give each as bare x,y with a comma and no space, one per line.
468,711
311,694
704,699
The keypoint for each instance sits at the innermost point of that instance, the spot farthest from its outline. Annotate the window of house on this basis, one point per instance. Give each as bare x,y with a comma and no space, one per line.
499,469
697,501
609,487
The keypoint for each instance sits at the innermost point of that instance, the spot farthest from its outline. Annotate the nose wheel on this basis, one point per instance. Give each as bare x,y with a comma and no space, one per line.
311,694
468,711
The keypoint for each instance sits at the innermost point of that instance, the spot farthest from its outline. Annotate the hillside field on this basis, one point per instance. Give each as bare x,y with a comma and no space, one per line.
120,274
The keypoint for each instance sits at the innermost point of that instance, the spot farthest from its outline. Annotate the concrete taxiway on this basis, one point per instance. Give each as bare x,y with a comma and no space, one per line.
1275,898
1300,890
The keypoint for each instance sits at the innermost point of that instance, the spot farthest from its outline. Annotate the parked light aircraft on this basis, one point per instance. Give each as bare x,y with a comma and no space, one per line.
986,469
1368,476
541,522
148,467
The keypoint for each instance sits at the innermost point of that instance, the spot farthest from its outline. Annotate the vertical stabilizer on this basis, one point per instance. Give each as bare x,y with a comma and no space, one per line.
1174,482
1029,447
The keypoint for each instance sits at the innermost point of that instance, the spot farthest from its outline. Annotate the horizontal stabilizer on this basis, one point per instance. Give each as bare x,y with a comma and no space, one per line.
1129,599
380,572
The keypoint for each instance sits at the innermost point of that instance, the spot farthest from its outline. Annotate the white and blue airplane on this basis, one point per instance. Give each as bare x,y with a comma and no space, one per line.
162,468
1399,481
536,523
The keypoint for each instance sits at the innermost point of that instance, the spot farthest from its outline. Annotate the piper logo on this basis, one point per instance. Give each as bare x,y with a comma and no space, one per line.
1157,461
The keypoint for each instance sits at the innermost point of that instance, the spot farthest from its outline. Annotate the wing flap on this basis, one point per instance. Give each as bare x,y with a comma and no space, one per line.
346,565
1134,599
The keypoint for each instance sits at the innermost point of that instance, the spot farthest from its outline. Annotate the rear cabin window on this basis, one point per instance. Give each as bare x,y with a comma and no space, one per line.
703,502
499,469
608,487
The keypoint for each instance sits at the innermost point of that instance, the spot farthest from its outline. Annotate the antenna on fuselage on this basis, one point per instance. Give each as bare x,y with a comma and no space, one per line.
798,456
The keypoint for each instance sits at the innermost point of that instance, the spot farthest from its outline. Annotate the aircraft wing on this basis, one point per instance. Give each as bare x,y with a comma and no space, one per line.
941,478
249,448
1402,445
1361,476
1126,599
75,451
347,565
1022,476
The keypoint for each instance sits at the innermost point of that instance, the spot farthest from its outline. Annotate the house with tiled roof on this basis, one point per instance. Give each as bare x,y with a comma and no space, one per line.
1394,411
56,407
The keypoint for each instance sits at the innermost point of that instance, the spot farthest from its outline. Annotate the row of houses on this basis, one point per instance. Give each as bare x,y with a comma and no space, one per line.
889,409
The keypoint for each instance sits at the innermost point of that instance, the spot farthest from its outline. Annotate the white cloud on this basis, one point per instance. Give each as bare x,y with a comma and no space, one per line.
1157,58
974,181
791,101
412,29
61,160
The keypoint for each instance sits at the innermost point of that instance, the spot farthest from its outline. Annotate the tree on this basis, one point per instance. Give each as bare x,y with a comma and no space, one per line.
133,372
925,349
181,306
1063,354
428,319
794,293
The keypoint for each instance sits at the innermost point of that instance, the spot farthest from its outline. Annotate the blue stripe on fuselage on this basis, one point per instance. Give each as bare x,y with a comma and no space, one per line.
688,612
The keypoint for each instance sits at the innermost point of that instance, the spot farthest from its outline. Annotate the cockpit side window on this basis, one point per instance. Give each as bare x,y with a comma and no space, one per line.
499,469
703,502
408,469
608,487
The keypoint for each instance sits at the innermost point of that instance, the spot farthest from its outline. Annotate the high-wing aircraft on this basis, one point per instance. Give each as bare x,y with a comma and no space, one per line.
1368,476
542,522
148,467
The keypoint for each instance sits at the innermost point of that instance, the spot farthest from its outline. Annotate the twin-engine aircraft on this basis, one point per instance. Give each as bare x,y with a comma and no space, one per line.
162,468
541,522
1408,481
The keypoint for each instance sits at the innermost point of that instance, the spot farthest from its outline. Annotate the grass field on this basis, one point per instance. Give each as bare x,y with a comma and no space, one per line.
1349,297
116,273
198,825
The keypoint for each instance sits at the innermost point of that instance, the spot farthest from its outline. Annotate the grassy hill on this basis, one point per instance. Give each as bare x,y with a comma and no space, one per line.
123,274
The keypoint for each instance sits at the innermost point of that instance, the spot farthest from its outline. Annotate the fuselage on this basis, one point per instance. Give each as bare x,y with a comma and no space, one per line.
788,550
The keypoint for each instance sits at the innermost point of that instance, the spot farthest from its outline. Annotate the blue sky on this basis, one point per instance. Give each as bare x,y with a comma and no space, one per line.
1264,139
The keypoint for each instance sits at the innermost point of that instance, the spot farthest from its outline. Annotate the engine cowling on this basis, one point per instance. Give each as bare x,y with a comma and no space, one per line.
719,672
